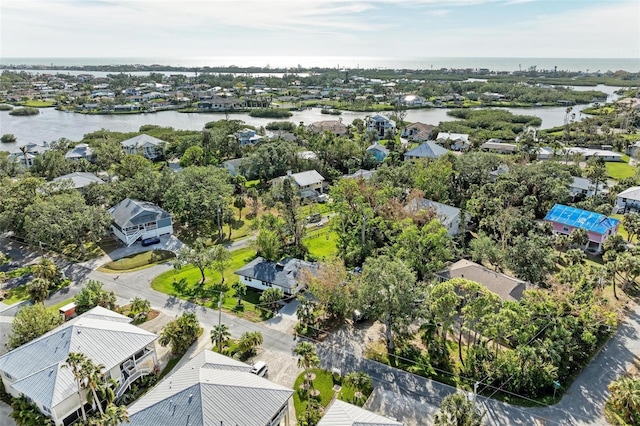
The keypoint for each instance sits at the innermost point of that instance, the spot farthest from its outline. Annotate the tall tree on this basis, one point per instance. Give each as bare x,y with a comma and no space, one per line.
389,292
38,290
181,333
596,172
457,410
268,244
220,259
220,335
75,362
93,295
31,322
631,223
624,399
198,255
307,359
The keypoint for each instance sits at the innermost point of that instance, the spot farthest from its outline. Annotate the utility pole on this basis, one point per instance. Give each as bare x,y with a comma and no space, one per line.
220,321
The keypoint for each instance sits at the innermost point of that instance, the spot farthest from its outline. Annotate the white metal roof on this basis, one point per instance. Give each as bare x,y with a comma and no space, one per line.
341,413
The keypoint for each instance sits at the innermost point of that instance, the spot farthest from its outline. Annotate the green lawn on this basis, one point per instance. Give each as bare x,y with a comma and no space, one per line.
185,284
322,244
137,261
623,232
620,170
309,209
37,104
323,382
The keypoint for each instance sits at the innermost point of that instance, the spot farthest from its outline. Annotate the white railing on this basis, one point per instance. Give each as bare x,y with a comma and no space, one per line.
133,237
122,388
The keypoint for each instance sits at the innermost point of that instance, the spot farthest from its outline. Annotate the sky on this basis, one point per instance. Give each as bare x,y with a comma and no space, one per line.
336,28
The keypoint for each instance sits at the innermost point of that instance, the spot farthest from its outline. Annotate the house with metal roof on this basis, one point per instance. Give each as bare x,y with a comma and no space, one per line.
212,389
428,149
248,137
499,147
145,145
80,152
360,174
135,219
36,369
262,274
628,200
456,141
584,187
379,124
508,288
379,151
449,216
566,219
309,184
340,413
78,180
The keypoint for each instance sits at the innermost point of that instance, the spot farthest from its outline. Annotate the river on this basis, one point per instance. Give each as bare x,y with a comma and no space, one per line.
51,124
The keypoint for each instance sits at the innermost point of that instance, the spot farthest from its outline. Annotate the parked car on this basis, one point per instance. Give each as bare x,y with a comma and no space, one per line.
150,241
260,368
314,218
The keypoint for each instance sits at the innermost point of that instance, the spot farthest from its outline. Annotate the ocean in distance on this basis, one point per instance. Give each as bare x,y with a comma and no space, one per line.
493,64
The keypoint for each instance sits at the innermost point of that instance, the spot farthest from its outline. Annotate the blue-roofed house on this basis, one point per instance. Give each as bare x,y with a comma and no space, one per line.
428,149
598,226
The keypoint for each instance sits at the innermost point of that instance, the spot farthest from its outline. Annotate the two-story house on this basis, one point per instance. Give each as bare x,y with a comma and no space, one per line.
248,137
309,184
135,219
566,219
628,200
145,145
379,124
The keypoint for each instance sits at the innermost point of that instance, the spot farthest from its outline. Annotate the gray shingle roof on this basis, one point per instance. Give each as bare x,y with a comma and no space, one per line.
142,139
341,413
210,389
445,213
428,149
508,288
283,274
104,336
80,179
129,212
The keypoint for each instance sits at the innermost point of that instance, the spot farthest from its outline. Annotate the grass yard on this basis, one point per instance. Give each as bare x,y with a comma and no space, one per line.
620,170
322,244
309,209
323,382
185,284
137,261
37,104
623,232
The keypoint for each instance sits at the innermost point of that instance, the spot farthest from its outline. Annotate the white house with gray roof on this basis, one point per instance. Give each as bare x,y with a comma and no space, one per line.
210,390
428,149
82,151
145,145
309,183
36,369
78,180
583,186
449,216
135,219
340,413
262,274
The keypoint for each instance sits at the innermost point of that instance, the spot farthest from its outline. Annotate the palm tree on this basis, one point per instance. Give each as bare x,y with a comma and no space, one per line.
25,150
75,362
241,290
249,341
220,335
46,269
114,415
360,381
140,307
307,359
38,289
456,409
95,379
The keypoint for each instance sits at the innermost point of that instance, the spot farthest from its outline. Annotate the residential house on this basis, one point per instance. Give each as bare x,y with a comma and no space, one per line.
508,288
499,148
584,154
134,219
428,149
502,169
309,183
634,150
78,180
417,132
332,126
566,219
628,200
449,216
218,103
455,141
145,145
27,154
248,137
262,274
379,151
340,413
413,100
360,174
545,153
379,124
37,369
234,165
79,152
212,389
584,187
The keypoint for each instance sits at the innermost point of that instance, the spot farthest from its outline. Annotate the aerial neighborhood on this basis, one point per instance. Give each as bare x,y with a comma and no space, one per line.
364,268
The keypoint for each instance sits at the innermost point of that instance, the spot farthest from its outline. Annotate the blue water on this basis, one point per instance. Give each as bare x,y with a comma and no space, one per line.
494,64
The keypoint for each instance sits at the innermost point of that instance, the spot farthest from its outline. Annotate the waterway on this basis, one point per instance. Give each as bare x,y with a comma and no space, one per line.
51,124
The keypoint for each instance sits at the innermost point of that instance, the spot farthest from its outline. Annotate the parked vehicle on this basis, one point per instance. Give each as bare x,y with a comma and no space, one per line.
314,218
150,241
260,368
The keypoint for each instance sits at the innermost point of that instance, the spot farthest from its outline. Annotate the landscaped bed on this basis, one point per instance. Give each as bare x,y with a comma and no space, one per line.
138,261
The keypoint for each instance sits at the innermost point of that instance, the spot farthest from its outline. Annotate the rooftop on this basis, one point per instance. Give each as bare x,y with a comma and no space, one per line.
141,140
340,413
129,212
578,218
428,149
80,179
283,274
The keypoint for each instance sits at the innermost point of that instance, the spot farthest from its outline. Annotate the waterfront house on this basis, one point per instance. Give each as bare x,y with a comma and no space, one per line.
508,288
78,180
499,148
145,145
428,149
218,103
79,152
248,137
37,369
309,184
412,100
417,132
212,389
449,216
628,200
340,413
27,153
332,126
379,124
455,141
379,151
134,219
262,274
566,219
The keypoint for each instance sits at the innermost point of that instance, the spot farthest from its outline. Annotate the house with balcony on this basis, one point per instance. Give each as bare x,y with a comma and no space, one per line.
135,219
309,184
145,145
566,219
28,153
379,124
417,132
332,126
212,389
628,200
263,274
37,369
248,137
80,152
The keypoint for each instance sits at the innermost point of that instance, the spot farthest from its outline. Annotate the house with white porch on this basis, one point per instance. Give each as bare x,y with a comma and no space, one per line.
248,137
263,274
210,390
309,184
37,369
145,145
135,219
628,200
379,124
455,141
